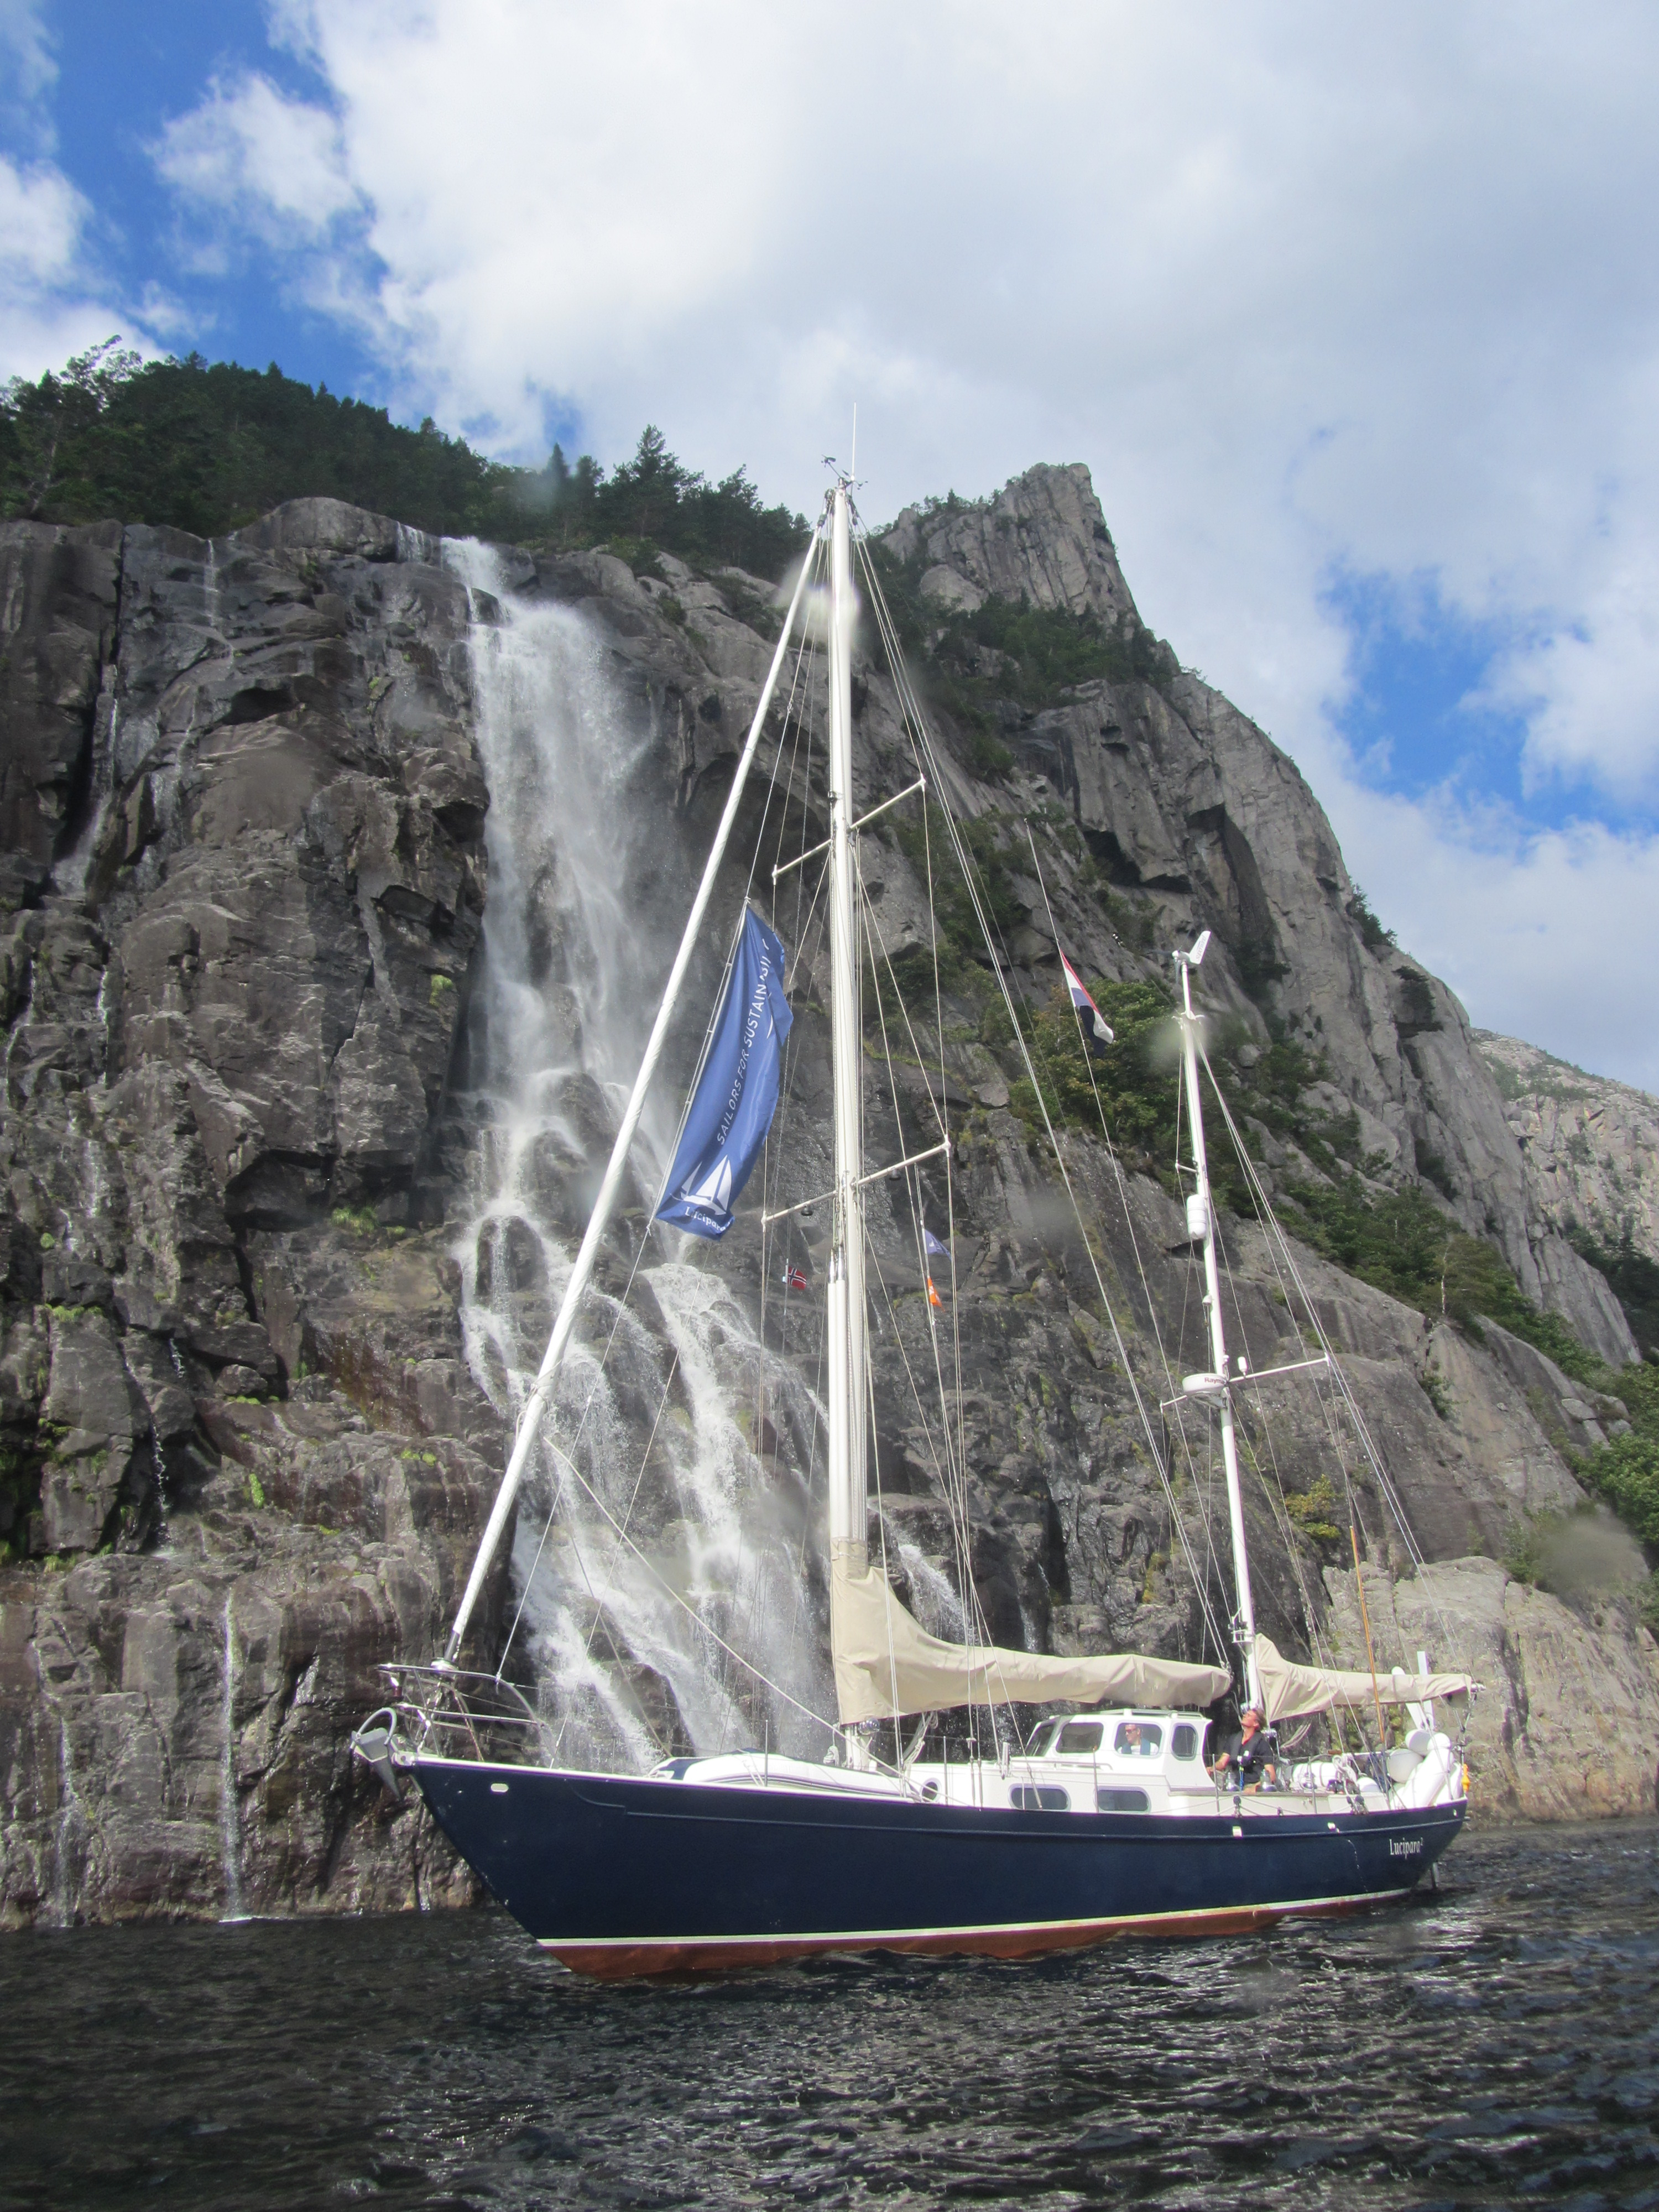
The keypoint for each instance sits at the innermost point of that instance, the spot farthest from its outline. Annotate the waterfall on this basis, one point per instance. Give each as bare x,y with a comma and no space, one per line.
230,1818
67,1878
933,1598
693,1435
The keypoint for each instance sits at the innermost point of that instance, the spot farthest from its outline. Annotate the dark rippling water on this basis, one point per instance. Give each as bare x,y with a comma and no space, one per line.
1495,2045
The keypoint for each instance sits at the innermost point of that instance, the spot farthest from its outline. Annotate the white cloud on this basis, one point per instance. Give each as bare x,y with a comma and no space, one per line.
41,218
51,304
1591,690
250,157
29,69
1302,286
1543,935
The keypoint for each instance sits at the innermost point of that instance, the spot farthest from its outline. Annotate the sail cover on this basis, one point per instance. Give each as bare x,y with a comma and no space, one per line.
1288,1690
731,1110
887,1665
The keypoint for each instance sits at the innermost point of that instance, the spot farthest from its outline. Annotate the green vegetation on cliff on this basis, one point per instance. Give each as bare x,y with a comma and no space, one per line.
208,447
1633,1277
1007,653
653,503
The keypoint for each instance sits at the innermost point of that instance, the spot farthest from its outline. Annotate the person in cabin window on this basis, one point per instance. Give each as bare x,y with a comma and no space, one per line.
1138,1742
1247,1757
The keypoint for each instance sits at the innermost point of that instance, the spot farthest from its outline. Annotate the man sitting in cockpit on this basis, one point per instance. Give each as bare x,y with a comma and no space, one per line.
1135,1740
1247,1757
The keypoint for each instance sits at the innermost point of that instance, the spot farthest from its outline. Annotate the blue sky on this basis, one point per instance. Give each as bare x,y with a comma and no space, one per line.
1413,706
1354,316
123,73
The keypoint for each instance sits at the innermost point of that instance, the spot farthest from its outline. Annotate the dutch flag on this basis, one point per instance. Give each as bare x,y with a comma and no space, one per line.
1087,1012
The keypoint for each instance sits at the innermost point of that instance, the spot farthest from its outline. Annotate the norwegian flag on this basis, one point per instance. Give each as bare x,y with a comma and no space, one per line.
1087,1012
793,1278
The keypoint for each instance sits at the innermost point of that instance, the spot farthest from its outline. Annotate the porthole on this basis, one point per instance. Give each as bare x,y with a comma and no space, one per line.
1043,1798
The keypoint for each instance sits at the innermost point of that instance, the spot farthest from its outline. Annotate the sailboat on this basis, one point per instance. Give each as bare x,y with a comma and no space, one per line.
1114,1816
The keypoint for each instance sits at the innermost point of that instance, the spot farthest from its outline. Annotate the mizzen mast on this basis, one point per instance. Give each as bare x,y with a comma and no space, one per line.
1218,1384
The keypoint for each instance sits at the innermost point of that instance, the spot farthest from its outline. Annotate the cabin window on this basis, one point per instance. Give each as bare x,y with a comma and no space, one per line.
1080,1737
1138,1740
1122,1800
1184,1742
1045,1799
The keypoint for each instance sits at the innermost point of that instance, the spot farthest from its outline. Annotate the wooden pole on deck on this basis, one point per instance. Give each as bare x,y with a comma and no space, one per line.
1370,1657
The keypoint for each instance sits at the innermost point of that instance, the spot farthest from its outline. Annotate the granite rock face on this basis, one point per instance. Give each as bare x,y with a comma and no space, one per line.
1590,1146
244,821
246,1453
1194,814
1566,1726
1042,537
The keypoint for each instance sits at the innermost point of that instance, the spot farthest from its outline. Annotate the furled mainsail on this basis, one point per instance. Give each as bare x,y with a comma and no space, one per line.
887,1665
1288,1690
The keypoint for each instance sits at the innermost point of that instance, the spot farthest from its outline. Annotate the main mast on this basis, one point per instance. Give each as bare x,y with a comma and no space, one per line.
1201,1212
844,1382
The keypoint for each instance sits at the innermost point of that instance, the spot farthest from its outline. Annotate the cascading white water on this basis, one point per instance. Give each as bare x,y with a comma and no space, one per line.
230,1815
70,1866
670,1409
933,1596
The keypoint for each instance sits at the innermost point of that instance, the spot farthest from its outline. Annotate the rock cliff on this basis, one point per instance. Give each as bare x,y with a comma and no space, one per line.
259,1327
245,883
1590,1146
1181,799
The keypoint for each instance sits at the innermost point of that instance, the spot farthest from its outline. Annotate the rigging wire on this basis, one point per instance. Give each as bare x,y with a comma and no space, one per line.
1342,1386
953,1472
1199,1580
776,1688
801,658
970,878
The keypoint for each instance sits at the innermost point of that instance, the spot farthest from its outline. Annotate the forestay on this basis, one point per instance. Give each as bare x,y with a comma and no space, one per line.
887,1665
1288,1690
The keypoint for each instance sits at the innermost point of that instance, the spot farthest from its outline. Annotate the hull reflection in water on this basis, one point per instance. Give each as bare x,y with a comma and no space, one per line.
619,1876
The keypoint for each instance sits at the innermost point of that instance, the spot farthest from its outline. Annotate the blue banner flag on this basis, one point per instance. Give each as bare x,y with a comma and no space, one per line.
732,1111
931,1245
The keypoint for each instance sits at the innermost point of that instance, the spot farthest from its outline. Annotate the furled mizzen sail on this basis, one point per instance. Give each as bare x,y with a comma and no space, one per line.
728,1118
886,1665
1288,1690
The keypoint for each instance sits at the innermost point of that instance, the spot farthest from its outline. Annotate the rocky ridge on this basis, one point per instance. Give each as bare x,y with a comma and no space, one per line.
1590,1146
246,1456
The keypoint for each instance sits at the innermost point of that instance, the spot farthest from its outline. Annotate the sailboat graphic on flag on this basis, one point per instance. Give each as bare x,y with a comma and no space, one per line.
1087,1012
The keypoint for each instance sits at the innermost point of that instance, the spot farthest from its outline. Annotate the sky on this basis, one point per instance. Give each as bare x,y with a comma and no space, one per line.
1353,313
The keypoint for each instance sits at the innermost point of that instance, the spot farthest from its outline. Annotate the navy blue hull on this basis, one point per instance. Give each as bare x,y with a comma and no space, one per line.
618,1876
